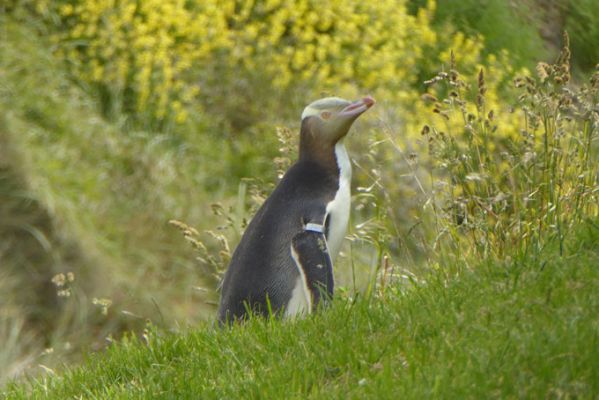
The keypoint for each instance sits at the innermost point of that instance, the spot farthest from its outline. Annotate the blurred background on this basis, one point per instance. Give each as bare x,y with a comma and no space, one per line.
118,116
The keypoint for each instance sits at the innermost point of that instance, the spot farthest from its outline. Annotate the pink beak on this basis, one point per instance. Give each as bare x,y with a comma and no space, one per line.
358,107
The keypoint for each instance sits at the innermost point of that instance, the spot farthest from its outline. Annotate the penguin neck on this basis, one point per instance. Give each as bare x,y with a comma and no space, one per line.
333,158
343,163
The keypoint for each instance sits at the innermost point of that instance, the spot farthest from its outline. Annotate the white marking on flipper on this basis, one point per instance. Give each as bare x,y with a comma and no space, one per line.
312,227
300,302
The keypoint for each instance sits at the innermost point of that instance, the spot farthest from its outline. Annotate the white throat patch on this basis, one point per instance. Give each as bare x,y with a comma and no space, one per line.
338,208
317,106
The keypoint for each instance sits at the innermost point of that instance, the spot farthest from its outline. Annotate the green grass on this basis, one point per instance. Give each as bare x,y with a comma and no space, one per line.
83,194
527,329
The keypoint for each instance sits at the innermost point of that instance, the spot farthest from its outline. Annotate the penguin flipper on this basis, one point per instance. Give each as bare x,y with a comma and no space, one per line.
312,256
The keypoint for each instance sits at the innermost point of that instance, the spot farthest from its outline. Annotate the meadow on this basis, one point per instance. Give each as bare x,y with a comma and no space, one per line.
138,138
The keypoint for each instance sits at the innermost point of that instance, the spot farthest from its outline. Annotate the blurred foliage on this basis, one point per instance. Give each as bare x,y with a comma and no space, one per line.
162,60
85,196
154,55
583,25
504,25
118,116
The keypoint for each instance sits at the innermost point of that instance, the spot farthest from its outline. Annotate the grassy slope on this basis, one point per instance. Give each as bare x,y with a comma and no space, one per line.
85,195
527,329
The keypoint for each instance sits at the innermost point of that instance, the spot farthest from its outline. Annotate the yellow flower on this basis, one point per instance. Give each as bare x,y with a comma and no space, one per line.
67,10
160,49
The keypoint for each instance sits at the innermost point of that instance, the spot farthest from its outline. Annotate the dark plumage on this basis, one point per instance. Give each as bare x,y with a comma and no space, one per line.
263,273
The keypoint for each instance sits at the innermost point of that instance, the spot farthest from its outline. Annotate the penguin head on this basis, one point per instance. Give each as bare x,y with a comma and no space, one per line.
328,120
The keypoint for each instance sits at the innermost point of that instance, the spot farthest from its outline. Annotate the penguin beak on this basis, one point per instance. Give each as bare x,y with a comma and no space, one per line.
357,107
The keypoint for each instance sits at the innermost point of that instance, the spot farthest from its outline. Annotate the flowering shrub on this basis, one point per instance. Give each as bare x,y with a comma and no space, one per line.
140,52
165,58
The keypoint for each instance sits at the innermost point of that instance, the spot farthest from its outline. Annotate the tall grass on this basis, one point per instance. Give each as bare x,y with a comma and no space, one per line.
499,196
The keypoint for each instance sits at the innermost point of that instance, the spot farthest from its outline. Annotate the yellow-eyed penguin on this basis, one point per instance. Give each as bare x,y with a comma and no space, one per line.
283,263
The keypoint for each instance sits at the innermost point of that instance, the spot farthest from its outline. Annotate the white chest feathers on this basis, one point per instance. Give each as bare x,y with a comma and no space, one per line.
338,208
337,212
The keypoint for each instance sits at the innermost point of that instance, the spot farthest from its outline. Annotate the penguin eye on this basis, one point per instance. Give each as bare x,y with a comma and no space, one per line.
325,114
